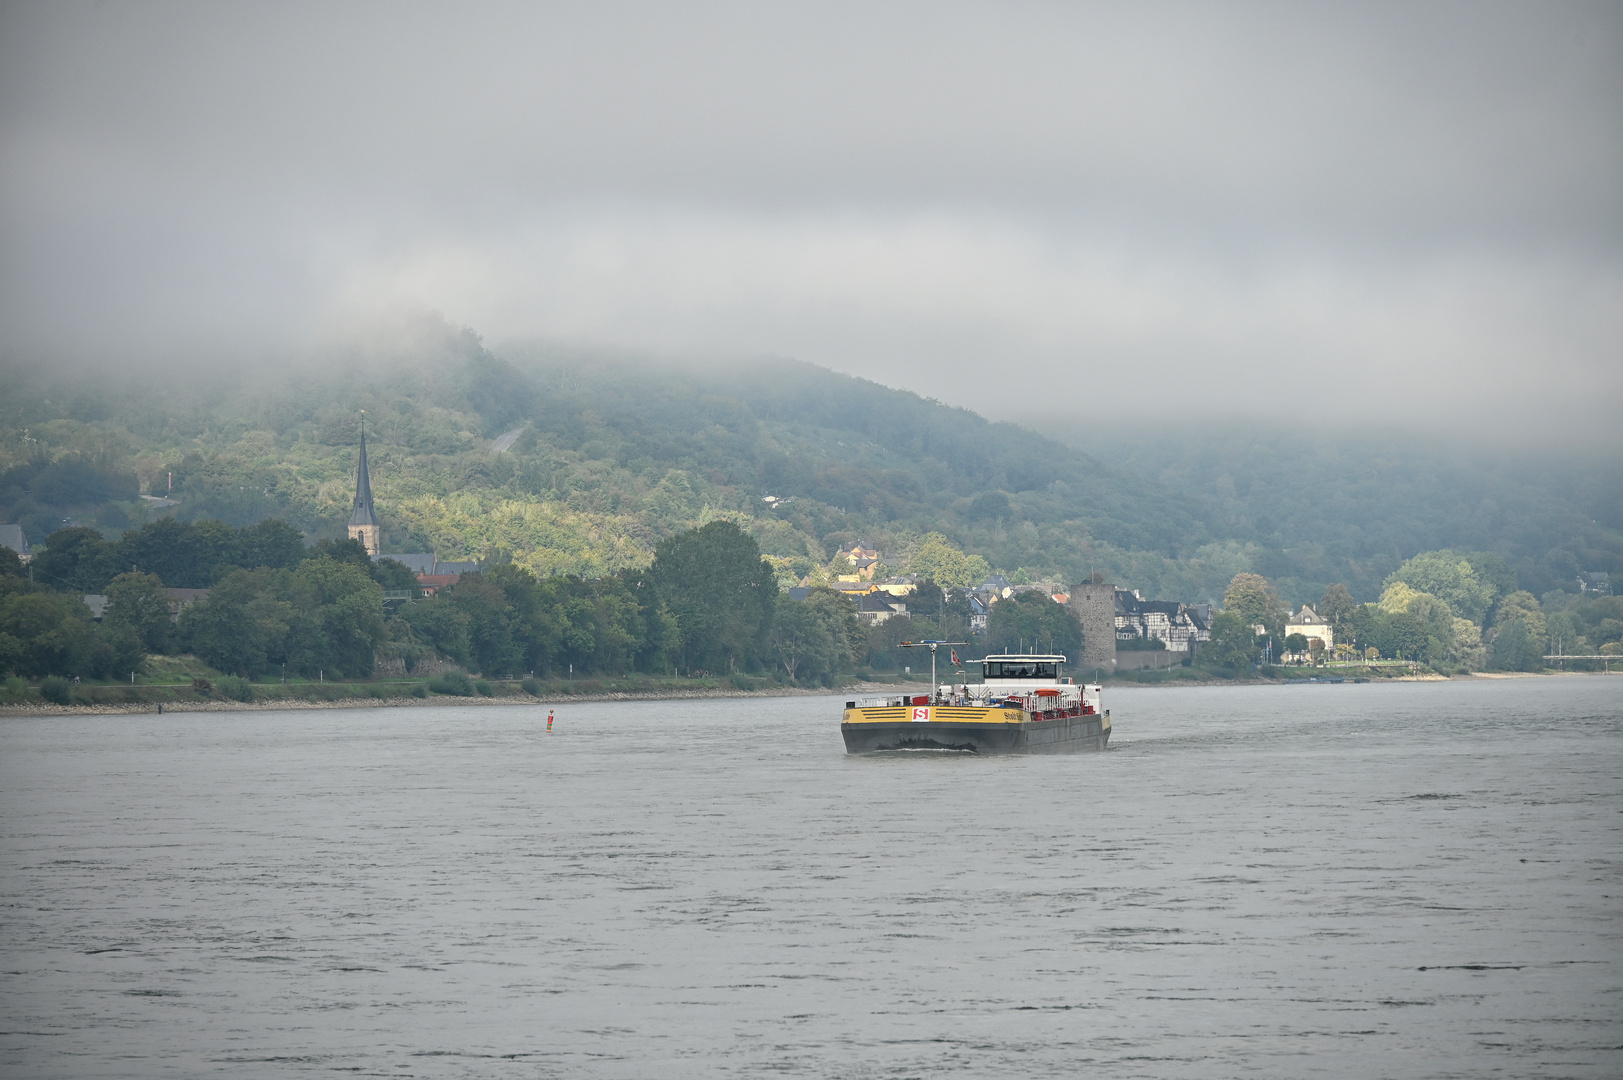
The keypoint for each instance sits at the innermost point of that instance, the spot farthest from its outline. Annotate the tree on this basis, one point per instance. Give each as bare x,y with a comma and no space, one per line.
1252,598
392,574
720,591
187,555
1031,621
344,549
1233,644
493,645
1467,649
137,601
1402,635
75,560
1449,577
944,563
1522,607
812,638
1516,649
272,543
350,608
247,624
1296,643
52,632
440,625
1337,606
1492,570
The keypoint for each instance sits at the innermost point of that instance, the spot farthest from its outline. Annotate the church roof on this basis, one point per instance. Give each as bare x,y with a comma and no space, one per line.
363,514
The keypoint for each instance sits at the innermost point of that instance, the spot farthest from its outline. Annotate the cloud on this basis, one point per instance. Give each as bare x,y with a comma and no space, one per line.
1383,213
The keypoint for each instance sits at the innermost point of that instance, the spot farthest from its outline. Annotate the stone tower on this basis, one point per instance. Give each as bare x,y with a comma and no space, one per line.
1095,607
363,522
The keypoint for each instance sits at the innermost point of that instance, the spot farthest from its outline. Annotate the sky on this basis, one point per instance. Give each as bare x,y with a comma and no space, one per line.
1335,214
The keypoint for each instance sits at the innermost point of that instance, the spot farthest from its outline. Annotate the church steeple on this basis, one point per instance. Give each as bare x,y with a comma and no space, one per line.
363,521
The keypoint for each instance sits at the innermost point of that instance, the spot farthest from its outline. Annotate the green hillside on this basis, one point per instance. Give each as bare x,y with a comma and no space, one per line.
613,455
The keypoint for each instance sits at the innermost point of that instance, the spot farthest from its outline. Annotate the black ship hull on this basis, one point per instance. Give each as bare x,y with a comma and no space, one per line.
1062,735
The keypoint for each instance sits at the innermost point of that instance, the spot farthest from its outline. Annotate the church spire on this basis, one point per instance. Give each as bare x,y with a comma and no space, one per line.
363,521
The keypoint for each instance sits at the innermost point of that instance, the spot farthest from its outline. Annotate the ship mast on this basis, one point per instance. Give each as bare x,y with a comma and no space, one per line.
935,689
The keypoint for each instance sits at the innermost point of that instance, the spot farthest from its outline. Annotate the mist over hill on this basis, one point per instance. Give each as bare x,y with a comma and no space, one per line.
611,454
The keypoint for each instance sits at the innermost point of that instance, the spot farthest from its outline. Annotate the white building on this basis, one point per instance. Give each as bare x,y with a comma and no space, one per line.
1311,625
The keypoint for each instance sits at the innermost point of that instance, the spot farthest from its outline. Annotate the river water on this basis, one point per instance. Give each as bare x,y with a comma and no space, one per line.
1400,880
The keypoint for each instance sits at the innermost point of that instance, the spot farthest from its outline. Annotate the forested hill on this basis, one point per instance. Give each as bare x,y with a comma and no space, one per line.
613,455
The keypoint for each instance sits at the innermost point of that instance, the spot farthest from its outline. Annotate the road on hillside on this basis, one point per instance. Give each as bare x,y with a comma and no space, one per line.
505,443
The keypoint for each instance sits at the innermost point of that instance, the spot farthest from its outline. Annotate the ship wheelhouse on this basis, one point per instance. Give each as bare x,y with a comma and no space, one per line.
1036,667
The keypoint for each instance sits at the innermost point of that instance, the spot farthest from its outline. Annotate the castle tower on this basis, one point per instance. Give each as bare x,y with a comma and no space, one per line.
1095,607
363,522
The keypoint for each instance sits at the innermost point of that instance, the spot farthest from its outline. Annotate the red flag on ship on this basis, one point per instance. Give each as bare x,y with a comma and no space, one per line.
955,660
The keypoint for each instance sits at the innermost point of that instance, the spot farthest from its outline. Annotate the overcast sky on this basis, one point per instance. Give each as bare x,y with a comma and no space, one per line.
1353,212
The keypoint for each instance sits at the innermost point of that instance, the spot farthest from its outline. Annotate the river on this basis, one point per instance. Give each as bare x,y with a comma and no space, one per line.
1397,880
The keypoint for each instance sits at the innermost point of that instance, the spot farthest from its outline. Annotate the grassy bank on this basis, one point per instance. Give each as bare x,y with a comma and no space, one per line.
187,682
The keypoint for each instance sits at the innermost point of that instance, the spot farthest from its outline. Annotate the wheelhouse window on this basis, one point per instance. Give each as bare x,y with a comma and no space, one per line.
1021,669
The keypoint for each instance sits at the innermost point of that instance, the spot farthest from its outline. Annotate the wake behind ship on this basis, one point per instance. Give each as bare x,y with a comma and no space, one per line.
1021,706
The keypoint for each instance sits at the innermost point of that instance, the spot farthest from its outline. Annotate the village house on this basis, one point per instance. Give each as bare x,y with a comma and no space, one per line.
875,607
429,584
1591,582
1179,627
1313,626
13,537
177,600
979,607
863,560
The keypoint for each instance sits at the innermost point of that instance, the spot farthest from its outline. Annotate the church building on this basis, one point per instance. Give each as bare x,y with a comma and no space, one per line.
363,521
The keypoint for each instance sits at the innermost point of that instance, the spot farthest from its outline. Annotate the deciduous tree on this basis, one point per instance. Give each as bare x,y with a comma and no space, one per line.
137,601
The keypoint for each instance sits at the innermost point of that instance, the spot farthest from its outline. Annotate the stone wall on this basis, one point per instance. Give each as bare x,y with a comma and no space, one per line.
1142,659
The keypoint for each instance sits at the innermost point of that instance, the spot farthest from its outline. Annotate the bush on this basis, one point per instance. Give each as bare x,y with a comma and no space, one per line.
453,683
419,690
532,687
484,689
237,689
15,691
56,689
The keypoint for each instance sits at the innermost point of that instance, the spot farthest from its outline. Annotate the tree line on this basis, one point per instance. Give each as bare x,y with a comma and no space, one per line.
1451,611
708,604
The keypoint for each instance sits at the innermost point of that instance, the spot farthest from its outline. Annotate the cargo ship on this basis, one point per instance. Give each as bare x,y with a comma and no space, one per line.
1021,706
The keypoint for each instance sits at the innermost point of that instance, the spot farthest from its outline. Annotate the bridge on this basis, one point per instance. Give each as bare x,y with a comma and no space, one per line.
1608,657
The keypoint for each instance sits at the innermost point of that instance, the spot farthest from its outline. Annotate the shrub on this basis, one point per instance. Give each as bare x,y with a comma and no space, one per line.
484,689
237,689
56,689
419,690
15,691
202,685
454,683
532,687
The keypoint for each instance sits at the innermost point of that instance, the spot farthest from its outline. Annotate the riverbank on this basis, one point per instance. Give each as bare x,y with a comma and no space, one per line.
365,698
368,701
